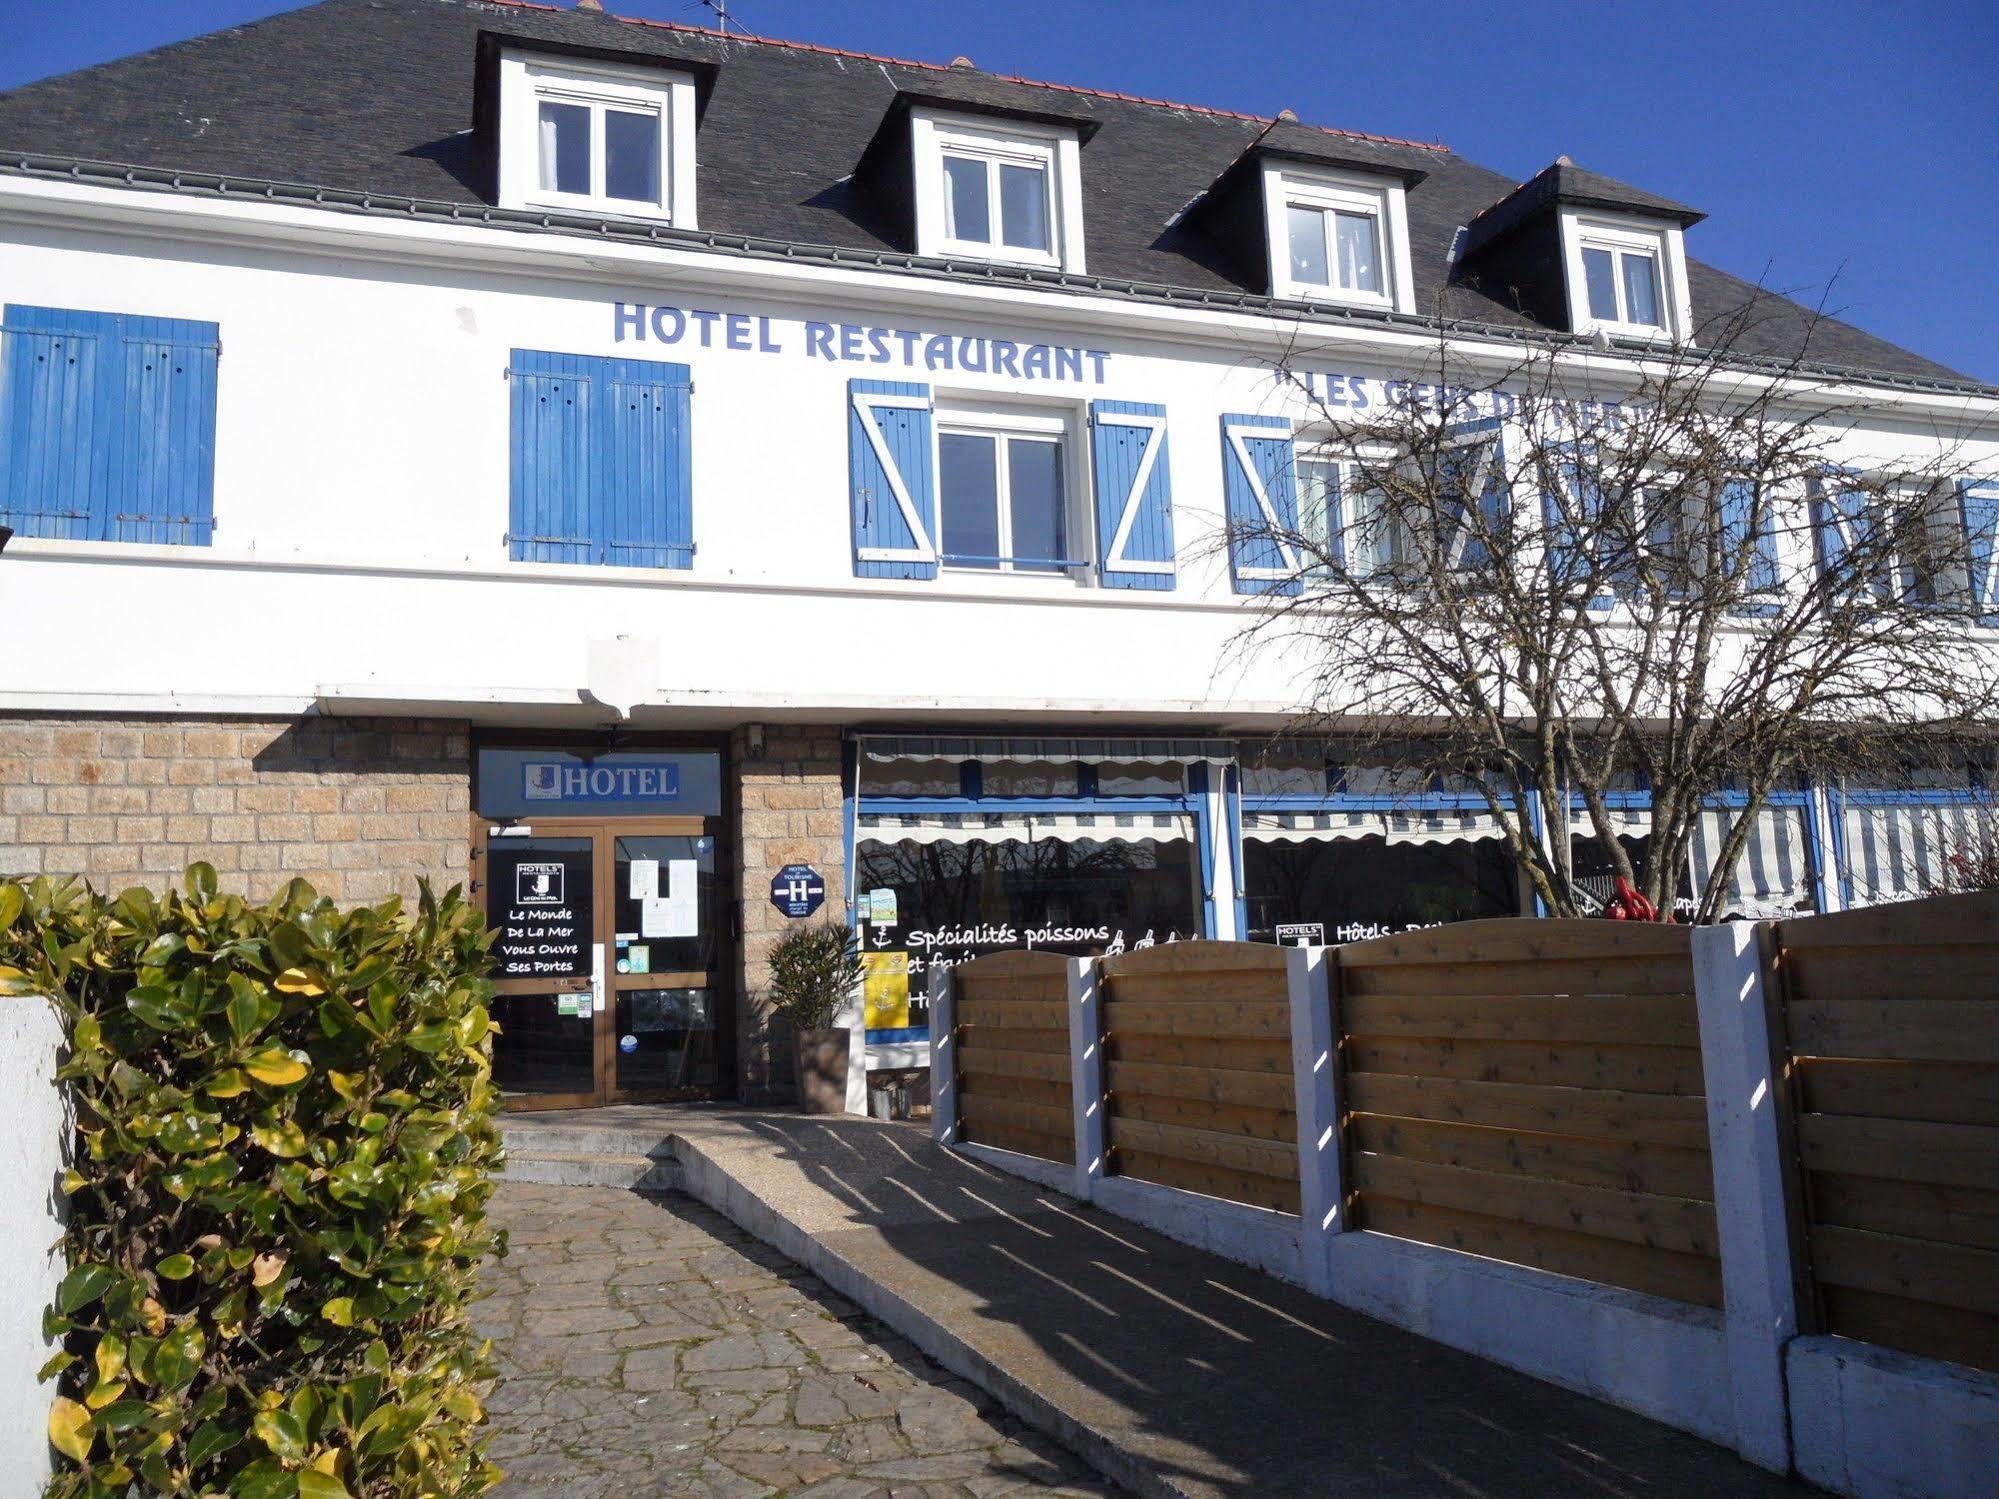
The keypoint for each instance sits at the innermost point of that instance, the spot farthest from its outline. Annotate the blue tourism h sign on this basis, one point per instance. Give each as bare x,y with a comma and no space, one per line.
797,890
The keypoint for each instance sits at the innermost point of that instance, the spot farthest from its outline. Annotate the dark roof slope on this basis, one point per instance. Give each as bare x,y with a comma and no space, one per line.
376,96
1562,181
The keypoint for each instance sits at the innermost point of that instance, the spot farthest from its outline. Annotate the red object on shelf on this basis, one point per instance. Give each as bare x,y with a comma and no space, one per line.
1628,905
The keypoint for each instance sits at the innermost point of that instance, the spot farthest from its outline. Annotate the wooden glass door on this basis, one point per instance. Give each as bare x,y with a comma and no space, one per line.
610,959
667,958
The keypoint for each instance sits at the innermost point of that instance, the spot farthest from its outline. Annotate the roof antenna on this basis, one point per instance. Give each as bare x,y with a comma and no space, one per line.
723,20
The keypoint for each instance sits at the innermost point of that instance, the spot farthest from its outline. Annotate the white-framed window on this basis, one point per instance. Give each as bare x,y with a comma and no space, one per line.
1337,238
597,138
1010,496
1626,277
1341,514
1001,191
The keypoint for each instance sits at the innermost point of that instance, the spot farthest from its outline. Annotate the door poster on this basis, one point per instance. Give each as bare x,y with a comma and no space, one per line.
539,904
885,990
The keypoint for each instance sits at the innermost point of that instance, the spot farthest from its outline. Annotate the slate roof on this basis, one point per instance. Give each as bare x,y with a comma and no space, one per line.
375,97
1562,181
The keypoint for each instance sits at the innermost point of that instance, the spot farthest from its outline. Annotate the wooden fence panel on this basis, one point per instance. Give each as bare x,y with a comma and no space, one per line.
1197,1048
1531,1091
1891,1018
1012,1017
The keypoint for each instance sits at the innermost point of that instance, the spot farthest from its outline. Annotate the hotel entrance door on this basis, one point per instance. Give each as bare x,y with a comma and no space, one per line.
610,954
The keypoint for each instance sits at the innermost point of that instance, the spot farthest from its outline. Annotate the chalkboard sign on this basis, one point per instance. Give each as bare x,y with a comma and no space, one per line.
539,903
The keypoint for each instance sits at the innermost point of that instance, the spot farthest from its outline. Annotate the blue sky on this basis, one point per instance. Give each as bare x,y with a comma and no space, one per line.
1856,144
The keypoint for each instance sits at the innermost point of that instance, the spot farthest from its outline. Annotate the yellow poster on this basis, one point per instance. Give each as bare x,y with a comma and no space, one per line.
885,990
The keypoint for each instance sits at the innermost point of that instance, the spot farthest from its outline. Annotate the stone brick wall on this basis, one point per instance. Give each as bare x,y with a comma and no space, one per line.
360,807
789,805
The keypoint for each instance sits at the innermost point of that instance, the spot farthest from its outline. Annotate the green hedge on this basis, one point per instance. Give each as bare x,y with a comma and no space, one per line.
285,1147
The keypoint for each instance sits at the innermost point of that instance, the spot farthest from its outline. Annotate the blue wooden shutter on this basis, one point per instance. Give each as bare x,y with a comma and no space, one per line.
553,458
893,488
53,464
164,464
109,426
1472,481
1978,506
1134,495
602,461
1260,490
641,512
1745,514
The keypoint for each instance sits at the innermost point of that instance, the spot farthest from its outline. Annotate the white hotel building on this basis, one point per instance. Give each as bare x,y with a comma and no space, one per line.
673,480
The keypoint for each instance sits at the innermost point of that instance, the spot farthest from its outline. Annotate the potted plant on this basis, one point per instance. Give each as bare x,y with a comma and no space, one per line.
813,971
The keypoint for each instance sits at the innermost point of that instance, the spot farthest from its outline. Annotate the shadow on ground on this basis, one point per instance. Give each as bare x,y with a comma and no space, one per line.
1228,1382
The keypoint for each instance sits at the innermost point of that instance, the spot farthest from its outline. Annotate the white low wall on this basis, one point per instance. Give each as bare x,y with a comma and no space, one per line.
1879,1424
34,1127
1660,1358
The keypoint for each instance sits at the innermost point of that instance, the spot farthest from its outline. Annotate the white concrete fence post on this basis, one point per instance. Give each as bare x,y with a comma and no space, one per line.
943,1058
1314,1073
1086,1073
1744,1082
34,1137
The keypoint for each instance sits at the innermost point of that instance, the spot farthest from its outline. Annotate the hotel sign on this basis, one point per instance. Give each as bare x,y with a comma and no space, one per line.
560,783
911,349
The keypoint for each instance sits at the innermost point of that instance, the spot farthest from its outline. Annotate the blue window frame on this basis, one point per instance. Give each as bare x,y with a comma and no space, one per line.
602,461
107,422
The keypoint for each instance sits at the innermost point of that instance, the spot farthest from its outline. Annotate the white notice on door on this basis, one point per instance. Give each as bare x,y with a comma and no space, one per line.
683,898
645,879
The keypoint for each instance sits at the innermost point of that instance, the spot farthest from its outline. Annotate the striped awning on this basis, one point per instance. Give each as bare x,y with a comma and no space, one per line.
1625,822
1396,827
1902,852
1774,876
885,747
1012,827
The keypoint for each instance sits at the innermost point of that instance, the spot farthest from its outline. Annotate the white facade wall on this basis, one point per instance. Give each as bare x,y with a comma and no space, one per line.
362,472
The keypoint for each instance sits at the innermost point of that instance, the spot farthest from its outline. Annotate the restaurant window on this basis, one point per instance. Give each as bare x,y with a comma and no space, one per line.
1079,854
1077,886
1350,888
1337,852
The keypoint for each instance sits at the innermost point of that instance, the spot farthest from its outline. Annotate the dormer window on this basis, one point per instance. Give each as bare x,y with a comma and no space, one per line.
597,138
1623,285
1337,238
1625,278
999,190
1336,248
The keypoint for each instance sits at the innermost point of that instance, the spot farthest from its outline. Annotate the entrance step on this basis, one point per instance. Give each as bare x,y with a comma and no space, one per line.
553,1168
585,1153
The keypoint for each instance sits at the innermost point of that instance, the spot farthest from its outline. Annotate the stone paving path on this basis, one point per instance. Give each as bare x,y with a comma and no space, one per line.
647,1347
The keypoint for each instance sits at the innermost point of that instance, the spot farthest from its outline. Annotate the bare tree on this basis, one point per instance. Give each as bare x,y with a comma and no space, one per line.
1550,594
